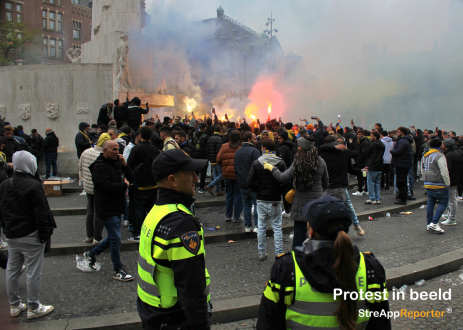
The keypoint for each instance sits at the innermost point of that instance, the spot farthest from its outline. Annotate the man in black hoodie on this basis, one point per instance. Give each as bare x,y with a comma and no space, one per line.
110,188
214,143
105,114
360,146
200,152
120,112
402,160
183,143
134,113
373,159
286,152
143,193
82,139
50,149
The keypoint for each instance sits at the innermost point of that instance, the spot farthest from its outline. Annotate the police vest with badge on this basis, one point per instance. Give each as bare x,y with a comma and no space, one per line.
301,290
173,282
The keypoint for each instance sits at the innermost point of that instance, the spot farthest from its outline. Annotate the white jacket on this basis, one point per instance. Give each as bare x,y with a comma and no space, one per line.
87,158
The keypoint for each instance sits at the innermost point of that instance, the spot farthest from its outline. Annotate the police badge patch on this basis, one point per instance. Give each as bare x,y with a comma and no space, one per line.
191,241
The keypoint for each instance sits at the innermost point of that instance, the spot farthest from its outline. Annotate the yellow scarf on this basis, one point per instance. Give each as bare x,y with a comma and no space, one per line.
83,133
122,134
3,156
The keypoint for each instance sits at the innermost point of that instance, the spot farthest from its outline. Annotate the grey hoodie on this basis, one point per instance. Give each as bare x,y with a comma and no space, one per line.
24,161
271,159
387,152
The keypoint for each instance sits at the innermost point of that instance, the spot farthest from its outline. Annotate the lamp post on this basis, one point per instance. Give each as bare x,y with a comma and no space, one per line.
270,22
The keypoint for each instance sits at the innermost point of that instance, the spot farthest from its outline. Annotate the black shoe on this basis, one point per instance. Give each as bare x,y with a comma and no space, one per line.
121,275
410,198
400,202
91,260
397,197
411,192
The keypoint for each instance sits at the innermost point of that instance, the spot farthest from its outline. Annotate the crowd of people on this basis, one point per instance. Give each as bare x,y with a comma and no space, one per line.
129,168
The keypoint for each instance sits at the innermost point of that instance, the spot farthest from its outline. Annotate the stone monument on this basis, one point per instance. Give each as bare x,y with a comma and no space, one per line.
122,65
74,55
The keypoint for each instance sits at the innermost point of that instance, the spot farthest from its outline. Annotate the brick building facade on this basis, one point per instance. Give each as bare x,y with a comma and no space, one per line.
64,24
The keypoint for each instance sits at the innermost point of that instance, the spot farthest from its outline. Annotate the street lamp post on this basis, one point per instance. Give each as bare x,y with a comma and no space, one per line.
270,22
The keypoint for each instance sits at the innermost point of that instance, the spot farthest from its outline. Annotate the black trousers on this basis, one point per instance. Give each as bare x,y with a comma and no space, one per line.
362,182
402,177
3,260
385,176
202,180
300,233
141,203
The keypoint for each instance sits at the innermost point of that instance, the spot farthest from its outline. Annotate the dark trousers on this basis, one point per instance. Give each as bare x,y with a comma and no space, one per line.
141,203
50,160
3,260
385,176
300,233
94,225
391,176
402,177
362,182
202,181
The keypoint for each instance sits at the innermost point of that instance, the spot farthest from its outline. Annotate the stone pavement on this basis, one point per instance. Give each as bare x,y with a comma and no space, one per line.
234,267
452,318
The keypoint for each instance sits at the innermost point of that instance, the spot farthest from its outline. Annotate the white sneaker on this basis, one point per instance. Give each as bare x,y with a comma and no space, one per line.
460,199
255,230
358,193
359,230
448,222
3,245
247,229
126,223
285,215
41,311
435,228
16,310
369,202
445,216
262,257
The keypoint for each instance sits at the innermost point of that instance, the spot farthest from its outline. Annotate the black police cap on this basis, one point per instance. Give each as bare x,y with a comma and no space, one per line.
327,216
174,160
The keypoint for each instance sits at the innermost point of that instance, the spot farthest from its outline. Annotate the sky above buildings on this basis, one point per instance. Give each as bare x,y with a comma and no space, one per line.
327,32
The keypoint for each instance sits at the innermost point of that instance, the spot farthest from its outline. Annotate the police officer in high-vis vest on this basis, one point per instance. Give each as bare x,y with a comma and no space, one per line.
301,291
173,282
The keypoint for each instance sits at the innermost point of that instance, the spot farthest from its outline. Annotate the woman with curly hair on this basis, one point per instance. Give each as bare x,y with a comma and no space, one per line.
310,178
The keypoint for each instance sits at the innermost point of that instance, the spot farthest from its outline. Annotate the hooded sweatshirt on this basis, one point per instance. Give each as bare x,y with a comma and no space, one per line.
387,152
24,161
435,173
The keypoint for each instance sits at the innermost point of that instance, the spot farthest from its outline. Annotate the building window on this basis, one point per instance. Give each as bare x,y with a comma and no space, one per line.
60,49
52,2
76,32
52,25
52,47
60,22
76,2
19,7
45,47
9,16
19,18
44,23
9,5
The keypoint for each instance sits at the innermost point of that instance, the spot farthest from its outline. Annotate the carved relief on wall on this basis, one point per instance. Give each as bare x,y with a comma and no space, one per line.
2,112
83,110
74,55
53,110
24,111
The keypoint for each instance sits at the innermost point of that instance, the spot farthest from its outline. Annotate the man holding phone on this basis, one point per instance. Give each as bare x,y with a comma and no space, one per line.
316,134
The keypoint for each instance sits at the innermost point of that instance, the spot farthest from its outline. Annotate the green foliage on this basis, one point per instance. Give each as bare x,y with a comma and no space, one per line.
17,36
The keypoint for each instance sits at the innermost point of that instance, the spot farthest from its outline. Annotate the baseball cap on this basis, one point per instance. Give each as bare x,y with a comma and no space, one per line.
174,160
327,216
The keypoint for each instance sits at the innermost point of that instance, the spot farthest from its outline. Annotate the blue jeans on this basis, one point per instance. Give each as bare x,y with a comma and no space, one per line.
234,200
217,170
249,199
270,211
439,196
374,186
113,241
50,160
350,209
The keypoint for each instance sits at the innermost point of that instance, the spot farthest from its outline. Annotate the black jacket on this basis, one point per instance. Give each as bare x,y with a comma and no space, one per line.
337,164
82,143
51,143
103,115
214,143
373,156
189,278
402,154
262,181
454,165
244,158
286,151
156,140
317,269
36,145
26,138
188,148
140,161
361,146
10,148
120,113
200,144
318,133
133,117
25,209
109,187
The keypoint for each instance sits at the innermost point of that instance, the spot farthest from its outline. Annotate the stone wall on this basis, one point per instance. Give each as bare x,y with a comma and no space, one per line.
59,96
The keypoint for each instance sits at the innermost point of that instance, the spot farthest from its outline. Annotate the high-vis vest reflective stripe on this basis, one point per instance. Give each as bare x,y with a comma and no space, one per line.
156,282
314,310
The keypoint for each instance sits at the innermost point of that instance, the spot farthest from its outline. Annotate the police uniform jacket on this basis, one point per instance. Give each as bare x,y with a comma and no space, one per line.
316,263
189,279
